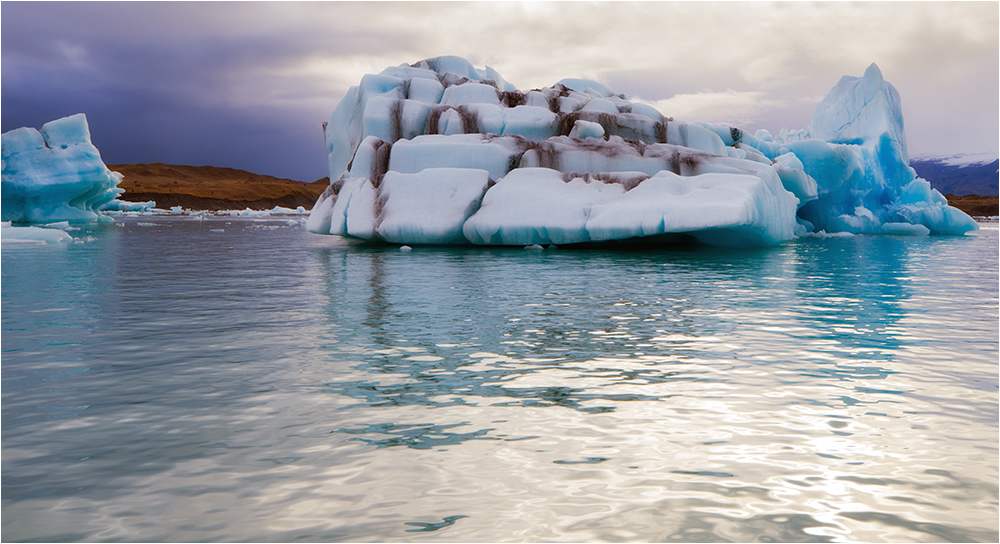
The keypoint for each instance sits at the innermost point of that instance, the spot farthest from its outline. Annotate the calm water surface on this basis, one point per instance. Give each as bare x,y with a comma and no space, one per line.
173,379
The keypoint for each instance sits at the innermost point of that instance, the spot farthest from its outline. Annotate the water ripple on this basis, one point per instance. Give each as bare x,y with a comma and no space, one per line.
267,384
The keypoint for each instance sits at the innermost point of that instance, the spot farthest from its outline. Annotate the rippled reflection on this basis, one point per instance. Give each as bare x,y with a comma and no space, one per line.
265,384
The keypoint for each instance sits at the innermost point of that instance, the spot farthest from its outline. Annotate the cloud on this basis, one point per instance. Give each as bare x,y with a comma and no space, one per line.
268,73
737,108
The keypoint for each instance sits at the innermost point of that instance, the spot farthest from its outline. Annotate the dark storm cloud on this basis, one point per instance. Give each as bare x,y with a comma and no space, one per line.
170,83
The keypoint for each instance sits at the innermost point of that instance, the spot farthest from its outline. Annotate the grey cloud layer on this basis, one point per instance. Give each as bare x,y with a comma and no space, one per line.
248,84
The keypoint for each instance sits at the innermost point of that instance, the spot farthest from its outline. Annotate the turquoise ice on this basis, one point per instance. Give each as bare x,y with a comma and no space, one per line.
55,174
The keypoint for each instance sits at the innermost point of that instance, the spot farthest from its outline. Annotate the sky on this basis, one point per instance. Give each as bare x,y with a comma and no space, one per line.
248,85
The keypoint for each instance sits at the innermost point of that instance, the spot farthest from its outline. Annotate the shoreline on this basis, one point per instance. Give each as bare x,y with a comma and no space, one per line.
210,188
975,206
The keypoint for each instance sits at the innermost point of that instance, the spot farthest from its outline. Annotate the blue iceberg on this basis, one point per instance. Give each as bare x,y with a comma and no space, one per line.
440,152
855,149
55,174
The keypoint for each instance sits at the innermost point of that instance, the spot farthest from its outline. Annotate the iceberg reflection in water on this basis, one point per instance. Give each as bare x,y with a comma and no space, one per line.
244,380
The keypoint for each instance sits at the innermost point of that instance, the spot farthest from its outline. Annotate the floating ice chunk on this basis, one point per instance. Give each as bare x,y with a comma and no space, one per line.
281,210
244,213
15,235
55,174
125,206
429,207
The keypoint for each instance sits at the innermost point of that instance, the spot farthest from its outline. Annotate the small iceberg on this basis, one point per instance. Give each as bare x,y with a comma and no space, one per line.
55,174
33,235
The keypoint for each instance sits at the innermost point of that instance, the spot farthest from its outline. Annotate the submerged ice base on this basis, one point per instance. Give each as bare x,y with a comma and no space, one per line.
55,174
440,152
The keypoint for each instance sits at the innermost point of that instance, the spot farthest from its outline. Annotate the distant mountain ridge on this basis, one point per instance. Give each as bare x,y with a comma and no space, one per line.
960,175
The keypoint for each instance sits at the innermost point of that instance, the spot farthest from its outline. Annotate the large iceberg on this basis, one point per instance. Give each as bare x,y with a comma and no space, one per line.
55,174
440,152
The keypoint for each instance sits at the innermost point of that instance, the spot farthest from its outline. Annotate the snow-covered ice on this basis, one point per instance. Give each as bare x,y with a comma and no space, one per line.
51,233
440,152
55,174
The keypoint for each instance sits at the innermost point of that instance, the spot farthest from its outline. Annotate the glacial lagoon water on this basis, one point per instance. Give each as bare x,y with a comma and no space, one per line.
175,379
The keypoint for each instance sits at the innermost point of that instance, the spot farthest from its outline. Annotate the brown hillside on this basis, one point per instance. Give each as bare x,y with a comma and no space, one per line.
213,188
975,205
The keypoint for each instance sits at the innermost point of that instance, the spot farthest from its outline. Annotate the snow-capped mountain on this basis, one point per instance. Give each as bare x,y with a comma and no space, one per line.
960,175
